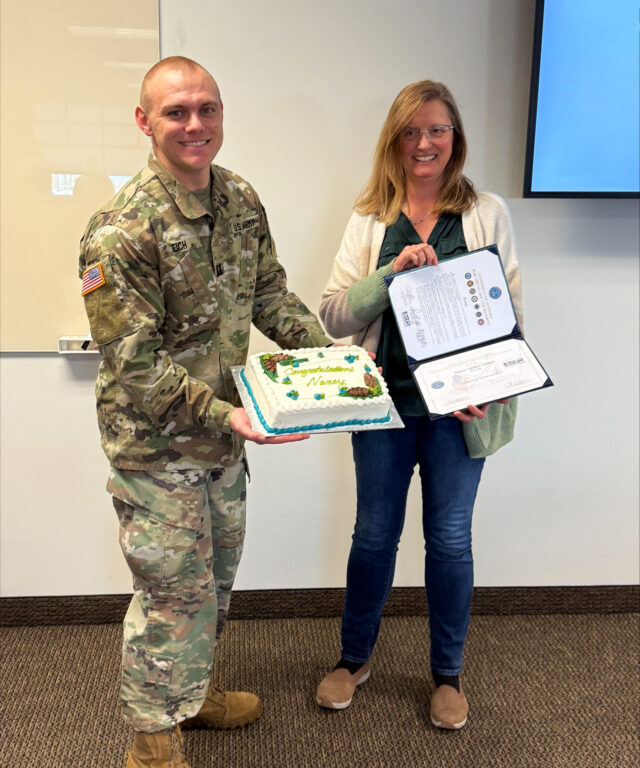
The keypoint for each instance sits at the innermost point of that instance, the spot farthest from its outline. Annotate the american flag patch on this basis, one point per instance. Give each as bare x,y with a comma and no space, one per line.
92,279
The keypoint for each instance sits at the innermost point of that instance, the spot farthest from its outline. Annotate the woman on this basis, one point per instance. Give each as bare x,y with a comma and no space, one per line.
417,208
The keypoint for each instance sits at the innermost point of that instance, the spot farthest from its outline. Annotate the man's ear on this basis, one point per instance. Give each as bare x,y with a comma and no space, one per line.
143,122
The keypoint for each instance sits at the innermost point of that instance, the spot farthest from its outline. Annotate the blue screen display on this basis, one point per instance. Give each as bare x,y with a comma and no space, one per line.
587,112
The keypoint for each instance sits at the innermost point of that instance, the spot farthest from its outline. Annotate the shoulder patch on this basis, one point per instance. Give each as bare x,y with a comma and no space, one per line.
109,315
92,278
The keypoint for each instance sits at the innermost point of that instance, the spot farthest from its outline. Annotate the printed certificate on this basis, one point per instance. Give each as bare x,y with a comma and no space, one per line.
460,303
478,376
461,334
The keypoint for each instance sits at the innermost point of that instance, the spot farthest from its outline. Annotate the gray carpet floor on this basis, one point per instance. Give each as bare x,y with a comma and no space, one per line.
557,691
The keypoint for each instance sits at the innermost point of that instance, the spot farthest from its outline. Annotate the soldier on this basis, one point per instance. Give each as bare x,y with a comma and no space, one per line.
174,271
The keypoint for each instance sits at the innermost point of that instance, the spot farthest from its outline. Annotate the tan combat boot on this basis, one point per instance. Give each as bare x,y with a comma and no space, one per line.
225,709
164,749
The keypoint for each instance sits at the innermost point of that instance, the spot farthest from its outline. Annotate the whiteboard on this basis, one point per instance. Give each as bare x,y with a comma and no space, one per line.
70,79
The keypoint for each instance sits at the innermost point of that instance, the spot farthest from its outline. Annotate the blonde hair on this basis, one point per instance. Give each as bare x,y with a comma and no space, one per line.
385,192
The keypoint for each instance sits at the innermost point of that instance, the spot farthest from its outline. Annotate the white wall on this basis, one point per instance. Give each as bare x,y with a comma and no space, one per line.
306,87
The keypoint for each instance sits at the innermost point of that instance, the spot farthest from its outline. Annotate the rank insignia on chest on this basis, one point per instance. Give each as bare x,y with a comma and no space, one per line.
92,279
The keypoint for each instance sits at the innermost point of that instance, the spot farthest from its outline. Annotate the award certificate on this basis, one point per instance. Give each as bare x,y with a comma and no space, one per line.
461,334
479,376
460,303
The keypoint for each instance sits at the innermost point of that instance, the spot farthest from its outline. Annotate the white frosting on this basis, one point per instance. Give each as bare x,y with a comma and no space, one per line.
311,389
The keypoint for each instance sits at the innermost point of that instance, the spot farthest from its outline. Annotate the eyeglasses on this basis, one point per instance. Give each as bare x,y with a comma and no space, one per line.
413,135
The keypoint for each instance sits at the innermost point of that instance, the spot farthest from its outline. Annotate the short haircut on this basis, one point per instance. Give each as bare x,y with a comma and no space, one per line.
174,63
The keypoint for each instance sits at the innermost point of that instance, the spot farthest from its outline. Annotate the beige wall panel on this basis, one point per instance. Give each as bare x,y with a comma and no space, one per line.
70,79
306,85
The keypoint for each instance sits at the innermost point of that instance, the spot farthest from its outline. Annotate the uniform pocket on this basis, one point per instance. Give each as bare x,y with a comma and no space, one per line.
198,285
141,666
160,516
247,267
156,552
189,297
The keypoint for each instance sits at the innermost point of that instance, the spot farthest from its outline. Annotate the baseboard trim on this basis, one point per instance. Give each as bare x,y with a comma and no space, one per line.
324,603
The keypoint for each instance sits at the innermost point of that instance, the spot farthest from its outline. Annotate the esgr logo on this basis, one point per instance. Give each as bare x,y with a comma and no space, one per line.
508,363
406,320
437,385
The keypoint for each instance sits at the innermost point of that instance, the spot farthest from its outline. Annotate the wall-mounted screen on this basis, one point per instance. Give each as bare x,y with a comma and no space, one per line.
584,109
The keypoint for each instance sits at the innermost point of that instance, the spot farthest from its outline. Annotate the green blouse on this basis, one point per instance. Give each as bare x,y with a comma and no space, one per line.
447,239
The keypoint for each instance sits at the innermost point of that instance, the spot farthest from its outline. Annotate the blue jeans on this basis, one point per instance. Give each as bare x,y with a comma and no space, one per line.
385,460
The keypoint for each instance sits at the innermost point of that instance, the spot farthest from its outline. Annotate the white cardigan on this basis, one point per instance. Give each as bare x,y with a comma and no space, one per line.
356,295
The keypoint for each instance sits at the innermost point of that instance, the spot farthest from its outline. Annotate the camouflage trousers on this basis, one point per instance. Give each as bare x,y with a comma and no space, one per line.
181,533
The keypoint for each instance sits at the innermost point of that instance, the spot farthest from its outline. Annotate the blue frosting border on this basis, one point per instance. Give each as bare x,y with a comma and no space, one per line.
309,427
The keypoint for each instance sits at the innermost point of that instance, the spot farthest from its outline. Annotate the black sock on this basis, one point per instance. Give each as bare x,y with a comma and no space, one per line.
452,680
352,666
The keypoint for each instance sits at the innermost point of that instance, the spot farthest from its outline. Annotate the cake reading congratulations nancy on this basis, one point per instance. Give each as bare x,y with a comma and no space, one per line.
299,390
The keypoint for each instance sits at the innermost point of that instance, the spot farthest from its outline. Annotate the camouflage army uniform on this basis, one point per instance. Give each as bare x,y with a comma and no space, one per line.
171,294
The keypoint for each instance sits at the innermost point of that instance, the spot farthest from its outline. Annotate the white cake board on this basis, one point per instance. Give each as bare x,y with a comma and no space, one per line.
395,422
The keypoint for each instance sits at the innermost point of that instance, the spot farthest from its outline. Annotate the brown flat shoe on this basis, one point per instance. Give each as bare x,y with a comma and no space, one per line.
449,709
337,688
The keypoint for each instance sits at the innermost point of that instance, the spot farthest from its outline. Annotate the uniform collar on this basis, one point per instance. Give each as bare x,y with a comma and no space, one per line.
189,205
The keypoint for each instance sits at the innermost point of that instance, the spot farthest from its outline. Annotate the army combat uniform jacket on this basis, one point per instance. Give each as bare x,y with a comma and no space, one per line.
171,294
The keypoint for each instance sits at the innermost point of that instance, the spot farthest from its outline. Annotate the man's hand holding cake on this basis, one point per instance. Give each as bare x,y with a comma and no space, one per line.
241,424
